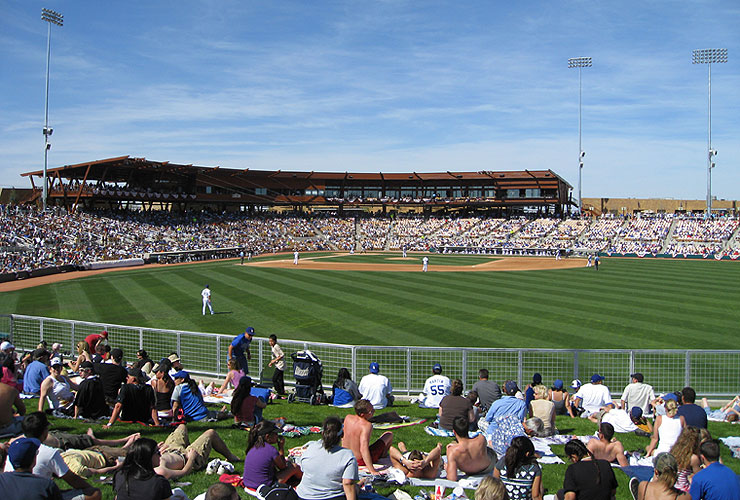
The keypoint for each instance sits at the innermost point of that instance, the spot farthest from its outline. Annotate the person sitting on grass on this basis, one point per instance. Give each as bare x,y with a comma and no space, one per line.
543,408
686,452
163,386
179,457
10,404
187,398
22,483
58,389
83,354
357,433
661,486
137,479
455,405
472,456
586,478
90,398
715,481
136,401
519,471
416,463
491,488
606,447
263,463
729,412
233,377
344,389
247,409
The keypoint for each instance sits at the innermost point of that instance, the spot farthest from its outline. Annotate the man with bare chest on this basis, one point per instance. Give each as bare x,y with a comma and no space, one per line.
607,448
357,433
472,456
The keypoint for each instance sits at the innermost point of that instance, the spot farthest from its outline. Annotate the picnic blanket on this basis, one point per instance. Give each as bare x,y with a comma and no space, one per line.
733,443
217,399
434,431
392,425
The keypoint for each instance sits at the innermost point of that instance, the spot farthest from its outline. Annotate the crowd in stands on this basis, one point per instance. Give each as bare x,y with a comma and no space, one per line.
499,431
31,239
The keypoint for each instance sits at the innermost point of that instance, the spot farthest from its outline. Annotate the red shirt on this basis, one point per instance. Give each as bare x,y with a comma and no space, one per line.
92,341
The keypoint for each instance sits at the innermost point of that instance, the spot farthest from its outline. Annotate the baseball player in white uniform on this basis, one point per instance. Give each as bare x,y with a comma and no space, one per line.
206,293
425,264
295,257
403,249
435,388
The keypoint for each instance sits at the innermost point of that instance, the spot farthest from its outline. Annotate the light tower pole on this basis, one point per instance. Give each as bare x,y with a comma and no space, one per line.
579,62
50,17
709,56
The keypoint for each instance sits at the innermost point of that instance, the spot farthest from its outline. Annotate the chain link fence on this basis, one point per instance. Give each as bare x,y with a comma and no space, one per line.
710,373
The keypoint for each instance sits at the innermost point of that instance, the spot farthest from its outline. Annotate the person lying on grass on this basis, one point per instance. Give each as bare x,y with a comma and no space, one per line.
179,457
416,463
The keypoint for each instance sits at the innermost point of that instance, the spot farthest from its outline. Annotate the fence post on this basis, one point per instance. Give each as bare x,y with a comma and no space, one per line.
632,362
12,328
41,329
687,370
408,371
141,338
74,342
520,368
259,355
218,354
178,344
575,365
464,366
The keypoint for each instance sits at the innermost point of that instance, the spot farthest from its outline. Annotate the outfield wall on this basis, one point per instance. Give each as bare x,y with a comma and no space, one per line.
710,373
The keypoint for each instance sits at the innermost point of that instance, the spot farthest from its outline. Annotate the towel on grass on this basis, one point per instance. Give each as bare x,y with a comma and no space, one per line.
398,425
733,443
434,431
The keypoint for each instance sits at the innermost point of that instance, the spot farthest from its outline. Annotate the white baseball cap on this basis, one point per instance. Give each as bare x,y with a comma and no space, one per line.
6,345
56,361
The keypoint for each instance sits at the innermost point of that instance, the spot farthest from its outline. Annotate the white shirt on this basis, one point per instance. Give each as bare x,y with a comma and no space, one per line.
425,260
49,463
435,388
375,388
621,421
638,394
206,293
593,397
276,353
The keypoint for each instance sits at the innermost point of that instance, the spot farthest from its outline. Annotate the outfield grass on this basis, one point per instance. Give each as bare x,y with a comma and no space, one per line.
628,303
414,437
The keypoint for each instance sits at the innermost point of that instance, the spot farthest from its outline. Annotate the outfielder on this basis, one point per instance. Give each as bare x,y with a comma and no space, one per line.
206,293
424,264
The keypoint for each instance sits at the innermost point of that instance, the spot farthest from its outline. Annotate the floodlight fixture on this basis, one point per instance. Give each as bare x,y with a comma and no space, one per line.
51,17
709,57
580,62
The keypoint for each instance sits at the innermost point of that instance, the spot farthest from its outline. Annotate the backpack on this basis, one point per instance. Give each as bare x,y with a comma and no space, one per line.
277,491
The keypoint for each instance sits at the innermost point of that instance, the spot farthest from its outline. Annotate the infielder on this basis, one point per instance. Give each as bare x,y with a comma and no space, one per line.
403,249
206,293
295,257
424,264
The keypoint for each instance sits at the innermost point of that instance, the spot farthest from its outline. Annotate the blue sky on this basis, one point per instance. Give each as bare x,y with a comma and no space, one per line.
379,86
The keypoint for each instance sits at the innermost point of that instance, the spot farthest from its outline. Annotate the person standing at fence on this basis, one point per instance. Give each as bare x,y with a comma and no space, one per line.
278,360
206,294
95,339
239,348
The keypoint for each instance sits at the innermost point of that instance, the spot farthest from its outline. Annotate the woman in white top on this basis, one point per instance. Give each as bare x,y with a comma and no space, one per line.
58,389
543,408
666,430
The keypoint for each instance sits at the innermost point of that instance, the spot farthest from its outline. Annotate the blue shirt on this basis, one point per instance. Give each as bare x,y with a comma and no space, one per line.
507,405
239,344
693,414
192,406
715,482
35,373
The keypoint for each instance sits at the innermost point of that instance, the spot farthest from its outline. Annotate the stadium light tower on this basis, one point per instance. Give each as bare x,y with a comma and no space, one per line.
579,62
50,17
709,56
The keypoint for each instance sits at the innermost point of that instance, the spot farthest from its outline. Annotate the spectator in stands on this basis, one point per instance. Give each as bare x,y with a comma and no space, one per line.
519,470
58,389
95,339
606,447
36,372
90,399
83,354
344,389
112,375
436,387
264,464
587,478
246,408
455,405
136,401
10,425
488,390
376,388
666,430
329,471
541,407
49,462
137,479
22,483
163,386
593,397
661,487
715,481
637,394
692,413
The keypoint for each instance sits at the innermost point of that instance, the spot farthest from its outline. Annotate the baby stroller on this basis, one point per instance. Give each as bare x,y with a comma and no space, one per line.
307,371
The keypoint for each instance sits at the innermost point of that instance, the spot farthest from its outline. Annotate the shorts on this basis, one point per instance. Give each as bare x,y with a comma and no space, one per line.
376,451
75,441
179,443
13,428
494,458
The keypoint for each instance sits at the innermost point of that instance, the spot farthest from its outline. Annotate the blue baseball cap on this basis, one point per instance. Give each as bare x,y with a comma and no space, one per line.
437,368
596,378
536,379
249,330
374,367
22,451
181,374
511,388
558,384
636,412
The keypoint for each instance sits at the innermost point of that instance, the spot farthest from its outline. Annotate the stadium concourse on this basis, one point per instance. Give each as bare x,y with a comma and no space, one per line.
31,239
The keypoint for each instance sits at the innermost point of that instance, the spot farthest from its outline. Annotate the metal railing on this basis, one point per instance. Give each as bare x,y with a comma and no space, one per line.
710,373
